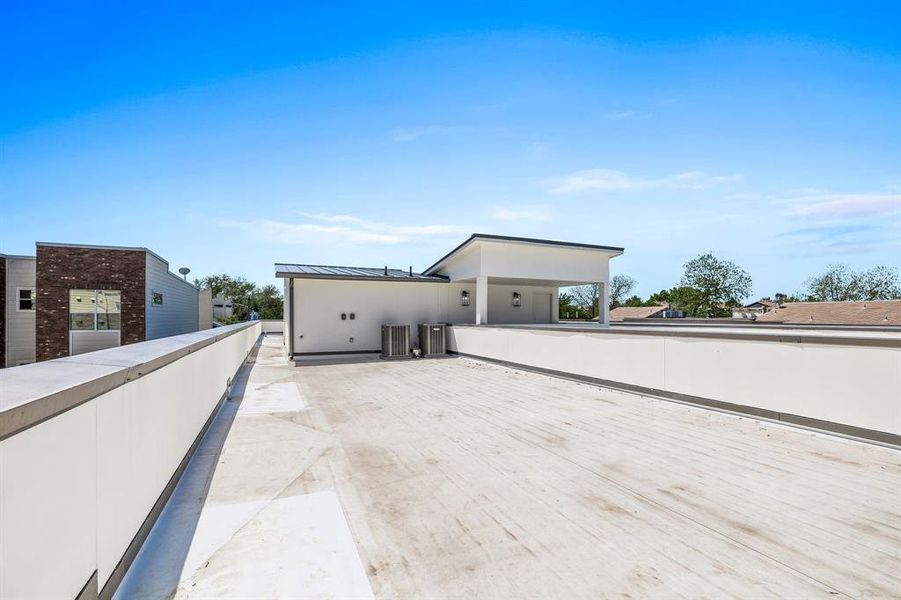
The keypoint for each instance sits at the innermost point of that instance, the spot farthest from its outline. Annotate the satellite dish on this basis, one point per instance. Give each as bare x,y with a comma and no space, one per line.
184,272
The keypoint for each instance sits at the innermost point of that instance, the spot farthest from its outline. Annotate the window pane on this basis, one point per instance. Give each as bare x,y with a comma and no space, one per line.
81,309
26,299
94,309
81,322
157,298
109,305
108,321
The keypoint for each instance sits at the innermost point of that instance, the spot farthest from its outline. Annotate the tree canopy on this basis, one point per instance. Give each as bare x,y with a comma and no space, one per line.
682,298
245,296
839,283
620,287
720,284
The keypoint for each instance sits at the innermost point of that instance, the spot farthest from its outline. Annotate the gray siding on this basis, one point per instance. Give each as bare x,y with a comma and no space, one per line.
179,311
20,273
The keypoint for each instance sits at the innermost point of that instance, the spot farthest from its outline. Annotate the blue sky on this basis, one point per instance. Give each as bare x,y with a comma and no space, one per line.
369,134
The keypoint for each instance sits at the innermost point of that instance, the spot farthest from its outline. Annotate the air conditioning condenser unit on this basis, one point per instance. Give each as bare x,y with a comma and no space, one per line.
395,341
433,339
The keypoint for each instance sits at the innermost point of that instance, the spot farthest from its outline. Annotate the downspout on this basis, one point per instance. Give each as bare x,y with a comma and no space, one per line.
291,318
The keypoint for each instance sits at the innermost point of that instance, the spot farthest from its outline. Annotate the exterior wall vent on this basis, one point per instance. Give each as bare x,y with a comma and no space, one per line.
433,339
395,341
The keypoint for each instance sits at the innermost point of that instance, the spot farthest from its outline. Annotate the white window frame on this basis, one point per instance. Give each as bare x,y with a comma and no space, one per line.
33,299
96,310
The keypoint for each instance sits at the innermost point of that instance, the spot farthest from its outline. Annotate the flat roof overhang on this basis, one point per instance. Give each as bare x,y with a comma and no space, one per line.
527,281
488,237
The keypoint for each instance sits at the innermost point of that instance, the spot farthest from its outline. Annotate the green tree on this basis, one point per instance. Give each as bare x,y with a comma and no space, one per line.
682,298
620,287
836,284
880,283
569,309
781,298
586,298
268,302
633,301
245,296
839,284
720,284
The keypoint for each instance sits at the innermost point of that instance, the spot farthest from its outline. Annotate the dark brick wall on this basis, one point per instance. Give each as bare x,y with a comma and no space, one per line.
60,269
2,312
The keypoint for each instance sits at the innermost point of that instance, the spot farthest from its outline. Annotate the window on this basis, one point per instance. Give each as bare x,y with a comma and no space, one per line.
26,298
157,298
95,310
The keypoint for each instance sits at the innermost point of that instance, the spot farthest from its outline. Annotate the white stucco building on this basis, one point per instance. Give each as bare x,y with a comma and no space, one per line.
486,279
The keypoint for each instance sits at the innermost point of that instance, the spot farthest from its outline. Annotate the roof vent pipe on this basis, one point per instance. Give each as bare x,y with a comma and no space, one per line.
386,270
411,270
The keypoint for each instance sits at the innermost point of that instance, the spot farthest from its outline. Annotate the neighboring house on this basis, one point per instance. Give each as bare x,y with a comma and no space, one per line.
204,309
753,310
872,312
622,313
17,309
486,279
94,297
222,307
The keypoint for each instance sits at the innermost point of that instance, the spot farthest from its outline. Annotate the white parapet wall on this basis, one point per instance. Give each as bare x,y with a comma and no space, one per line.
90,447
273,326
845,381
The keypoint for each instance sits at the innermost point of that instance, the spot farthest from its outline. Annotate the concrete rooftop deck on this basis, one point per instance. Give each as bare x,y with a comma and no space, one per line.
453,478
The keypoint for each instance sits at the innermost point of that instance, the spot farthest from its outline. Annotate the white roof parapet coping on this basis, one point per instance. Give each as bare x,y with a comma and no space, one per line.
18,256
782,333
36,392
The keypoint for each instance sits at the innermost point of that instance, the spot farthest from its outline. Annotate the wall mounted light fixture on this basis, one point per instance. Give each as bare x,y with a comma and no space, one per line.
464,298
517,299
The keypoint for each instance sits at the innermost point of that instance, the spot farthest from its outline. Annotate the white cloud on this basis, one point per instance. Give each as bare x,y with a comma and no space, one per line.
409,135
609,180
339,229
848,205
528,212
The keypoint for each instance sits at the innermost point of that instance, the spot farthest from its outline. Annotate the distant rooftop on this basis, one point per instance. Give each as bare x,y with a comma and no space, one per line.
290,270
621,313
872,312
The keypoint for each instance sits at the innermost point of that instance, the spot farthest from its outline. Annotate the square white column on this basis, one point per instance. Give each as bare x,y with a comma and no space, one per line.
482,300
603,304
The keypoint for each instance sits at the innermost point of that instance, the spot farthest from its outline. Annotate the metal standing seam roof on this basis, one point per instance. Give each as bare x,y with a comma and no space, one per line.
290,270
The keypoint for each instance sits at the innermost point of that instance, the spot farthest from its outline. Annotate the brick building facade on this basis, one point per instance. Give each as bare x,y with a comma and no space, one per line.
3,311
61,268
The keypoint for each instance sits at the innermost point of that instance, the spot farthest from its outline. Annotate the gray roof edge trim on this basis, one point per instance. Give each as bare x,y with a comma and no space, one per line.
426,279
18,256
20,416
490,237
